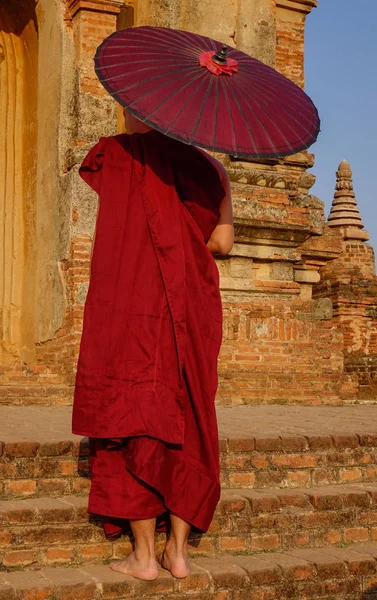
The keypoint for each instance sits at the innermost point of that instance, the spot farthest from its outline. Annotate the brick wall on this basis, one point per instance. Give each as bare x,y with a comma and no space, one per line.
282,351
350,283
290,35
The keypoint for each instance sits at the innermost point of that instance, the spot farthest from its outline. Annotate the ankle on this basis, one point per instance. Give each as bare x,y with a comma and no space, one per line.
145,555
176,548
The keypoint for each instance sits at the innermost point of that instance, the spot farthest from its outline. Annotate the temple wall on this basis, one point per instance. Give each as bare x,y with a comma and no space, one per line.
283,341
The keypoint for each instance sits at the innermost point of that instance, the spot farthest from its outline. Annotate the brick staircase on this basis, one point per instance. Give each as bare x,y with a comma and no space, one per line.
297,517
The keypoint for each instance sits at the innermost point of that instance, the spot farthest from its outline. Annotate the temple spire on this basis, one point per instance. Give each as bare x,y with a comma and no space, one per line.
344,214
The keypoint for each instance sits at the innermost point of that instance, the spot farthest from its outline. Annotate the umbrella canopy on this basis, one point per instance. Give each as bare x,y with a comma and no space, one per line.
200,92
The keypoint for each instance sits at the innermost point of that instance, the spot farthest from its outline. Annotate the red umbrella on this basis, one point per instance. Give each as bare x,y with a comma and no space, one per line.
192,88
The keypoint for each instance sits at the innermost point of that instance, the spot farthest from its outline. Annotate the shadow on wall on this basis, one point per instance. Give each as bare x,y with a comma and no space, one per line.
16,14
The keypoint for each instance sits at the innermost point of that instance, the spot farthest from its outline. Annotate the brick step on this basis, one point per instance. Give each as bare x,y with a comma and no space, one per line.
324,573
31,468
48,531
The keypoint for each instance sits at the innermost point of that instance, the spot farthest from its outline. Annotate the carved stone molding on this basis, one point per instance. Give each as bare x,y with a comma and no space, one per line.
304,6
105,6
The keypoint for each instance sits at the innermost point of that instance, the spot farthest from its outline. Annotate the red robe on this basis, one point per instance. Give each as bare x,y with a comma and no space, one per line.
147,370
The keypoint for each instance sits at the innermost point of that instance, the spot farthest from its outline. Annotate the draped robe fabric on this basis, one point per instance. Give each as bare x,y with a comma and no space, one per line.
147,370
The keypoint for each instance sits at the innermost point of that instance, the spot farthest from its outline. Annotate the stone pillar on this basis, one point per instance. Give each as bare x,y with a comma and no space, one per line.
18,171
351,284
290,35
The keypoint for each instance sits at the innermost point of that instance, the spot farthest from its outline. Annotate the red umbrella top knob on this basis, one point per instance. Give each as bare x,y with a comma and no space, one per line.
220,57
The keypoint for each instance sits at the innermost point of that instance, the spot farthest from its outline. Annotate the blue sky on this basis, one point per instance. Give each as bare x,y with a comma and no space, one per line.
341,78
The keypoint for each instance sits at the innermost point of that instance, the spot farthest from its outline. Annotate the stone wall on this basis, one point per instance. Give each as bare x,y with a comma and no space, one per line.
351,284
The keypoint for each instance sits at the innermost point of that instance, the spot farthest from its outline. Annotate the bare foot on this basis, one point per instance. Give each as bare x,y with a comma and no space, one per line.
179,566
142,569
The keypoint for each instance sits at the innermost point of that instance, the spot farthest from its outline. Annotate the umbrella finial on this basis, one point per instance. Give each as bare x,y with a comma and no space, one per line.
220,56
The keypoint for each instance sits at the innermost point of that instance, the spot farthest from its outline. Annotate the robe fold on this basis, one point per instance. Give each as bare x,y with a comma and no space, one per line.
147,370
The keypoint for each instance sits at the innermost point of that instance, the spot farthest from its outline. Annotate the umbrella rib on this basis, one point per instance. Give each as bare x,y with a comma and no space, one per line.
103,79
156,89
201,109
272,121
247,124
265,87
139,62
265,130
223,84
264,73
184,106
271,93
175,93
267,110
216,113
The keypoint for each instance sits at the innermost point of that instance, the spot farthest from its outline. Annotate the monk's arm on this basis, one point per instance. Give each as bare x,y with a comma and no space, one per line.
222,238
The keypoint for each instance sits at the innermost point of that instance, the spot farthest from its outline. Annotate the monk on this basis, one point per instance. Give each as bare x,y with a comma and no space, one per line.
147,371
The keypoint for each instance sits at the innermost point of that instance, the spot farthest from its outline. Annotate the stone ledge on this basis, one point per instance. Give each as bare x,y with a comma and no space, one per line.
305,6
301,573
104,6
51,532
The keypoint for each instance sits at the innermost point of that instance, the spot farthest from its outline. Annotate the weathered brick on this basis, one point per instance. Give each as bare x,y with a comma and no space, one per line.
345,440
267,443
295,461
325,499
6,537
319,442
199,580
290,443
293,568
265,542
260,502
368,439
95,551
81,486
21,449
55,448
223,573
59,555
7,470
324,476
353,474
298,478
21,487
238,444
332,536
7,592
17,511
19,558
259,461
327,567
53,486
358,563
233,543
241,480
232,503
